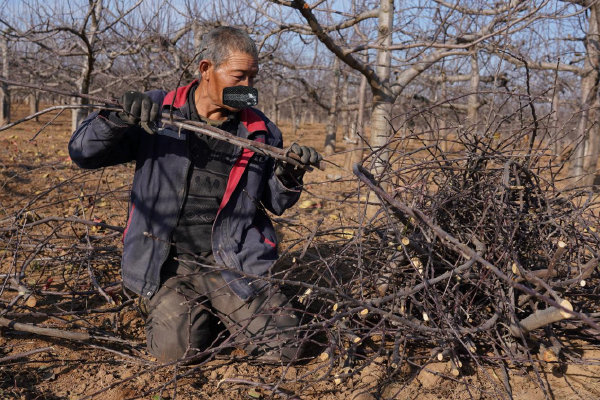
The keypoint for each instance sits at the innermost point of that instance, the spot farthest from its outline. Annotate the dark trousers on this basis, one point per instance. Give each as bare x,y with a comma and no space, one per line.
194,305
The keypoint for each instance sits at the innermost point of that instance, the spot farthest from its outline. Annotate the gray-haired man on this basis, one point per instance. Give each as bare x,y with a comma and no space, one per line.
198,239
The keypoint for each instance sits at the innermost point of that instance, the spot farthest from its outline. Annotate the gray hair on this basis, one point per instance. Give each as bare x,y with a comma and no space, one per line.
220,42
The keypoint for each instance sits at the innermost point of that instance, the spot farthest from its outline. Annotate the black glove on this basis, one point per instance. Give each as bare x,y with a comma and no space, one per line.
138,108
291,176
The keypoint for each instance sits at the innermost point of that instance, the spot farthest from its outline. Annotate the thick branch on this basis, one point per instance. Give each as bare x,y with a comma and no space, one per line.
322,35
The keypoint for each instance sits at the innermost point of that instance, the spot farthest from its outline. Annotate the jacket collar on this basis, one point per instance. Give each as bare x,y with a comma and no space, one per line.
177,98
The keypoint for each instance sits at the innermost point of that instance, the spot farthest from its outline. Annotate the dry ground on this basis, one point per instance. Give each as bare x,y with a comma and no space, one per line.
37,176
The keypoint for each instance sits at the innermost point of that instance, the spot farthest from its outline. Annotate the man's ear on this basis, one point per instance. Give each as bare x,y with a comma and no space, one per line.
204,68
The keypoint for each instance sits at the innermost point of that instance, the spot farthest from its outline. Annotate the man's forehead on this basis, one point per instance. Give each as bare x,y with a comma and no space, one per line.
239,60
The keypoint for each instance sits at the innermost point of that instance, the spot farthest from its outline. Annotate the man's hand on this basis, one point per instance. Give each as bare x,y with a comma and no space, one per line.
292,176
138,108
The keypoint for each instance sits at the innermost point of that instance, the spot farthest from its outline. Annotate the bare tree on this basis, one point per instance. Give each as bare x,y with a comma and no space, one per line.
356,132
4,91
330,134
587,149
406,53
473,100
74,36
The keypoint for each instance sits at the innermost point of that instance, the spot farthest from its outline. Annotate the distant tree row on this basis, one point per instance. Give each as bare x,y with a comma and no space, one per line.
451,68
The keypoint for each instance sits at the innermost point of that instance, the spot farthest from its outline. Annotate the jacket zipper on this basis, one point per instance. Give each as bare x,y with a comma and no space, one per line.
183,194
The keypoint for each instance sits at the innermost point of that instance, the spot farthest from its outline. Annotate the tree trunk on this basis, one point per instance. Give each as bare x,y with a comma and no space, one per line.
330,136
442,124
382,96
380,128
303,114
556,145
345,114
4,92
83,86
592,149
274,105
585,153
293,118
355,143
383,101
473,100
85,78
34,103
197,38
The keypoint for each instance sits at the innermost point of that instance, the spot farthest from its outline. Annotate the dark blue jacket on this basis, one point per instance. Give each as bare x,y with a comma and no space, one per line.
243,238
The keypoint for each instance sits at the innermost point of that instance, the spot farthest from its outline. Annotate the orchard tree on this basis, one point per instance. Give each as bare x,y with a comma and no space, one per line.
4,91
407,42
563,44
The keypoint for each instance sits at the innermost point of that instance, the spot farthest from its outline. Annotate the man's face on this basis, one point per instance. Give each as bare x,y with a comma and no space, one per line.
239,69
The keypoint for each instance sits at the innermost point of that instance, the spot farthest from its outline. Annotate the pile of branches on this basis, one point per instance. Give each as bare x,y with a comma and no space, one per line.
475,255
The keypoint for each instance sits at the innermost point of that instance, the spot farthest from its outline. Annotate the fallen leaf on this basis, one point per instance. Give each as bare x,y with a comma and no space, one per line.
309,204
255,394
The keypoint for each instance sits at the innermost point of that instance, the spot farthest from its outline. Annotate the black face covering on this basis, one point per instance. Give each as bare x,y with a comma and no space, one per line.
240,97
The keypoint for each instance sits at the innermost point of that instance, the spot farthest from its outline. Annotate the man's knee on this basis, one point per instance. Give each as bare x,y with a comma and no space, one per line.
272,329
176,327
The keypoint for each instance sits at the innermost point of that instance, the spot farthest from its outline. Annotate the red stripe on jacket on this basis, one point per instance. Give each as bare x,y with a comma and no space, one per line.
254,123
177,98
128,221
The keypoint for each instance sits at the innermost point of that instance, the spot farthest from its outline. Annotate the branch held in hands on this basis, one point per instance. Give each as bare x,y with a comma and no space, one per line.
169,119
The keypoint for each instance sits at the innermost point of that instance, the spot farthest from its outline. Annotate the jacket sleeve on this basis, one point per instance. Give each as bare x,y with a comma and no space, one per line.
103,140
277,197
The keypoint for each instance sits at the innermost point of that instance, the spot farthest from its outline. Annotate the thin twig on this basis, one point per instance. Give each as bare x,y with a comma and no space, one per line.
25,354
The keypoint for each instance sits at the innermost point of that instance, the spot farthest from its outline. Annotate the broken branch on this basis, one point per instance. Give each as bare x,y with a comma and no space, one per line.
542,318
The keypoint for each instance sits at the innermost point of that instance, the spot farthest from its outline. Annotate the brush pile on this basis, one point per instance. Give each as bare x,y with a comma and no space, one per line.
474,255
